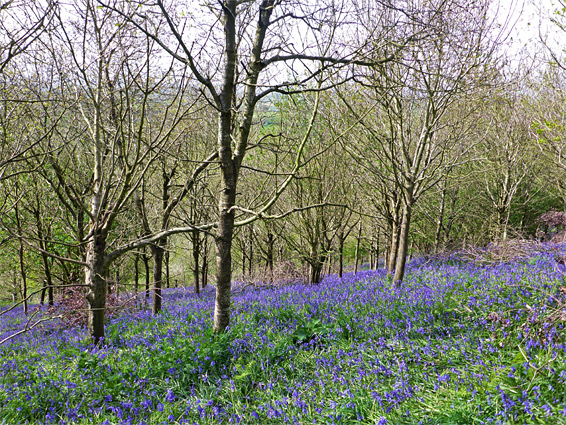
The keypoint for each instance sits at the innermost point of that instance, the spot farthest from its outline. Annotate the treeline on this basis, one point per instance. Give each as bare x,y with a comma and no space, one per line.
151,144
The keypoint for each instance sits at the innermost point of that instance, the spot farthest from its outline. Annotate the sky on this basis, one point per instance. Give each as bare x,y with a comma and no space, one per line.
527,18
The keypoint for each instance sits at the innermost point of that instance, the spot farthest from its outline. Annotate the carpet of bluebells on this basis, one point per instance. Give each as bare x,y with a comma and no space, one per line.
460,343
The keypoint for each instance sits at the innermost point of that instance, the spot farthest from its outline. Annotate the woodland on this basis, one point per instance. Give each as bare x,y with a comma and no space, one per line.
282,211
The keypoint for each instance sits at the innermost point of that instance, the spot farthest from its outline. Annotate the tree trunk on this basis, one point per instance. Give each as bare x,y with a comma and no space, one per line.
393,246
145,259
196,254
167,270
244,262
251,252
377,249
204,268
117,280
224,258
403,246
357,254
21,254
24,278
315,270
341,253
269,255
157,251
374,251
440,220
225,232
230,161
96,273
136,273
43,291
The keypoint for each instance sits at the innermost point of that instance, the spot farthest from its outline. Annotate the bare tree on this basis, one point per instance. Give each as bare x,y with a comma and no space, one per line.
237,64
411,95
21,23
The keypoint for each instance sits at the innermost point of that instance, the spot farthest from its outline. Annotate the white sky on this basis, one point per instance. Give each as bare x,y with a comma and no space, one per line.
530,19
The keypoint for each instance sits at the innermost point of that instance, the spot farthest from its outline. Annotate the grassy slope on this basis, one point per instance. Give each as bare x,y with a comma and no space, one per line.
461,344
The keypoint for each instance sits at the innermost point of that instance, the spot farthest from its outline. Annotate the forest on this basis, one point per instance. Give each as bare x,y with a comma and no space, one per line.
282,211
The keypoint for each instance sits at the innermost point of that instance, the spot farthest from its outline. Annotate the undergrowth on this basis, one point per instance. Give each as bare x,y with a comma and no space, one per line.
458,344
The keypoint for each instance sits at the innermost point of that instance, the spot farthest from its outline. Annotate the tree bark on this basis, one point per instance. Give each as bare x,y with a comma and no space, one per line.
269,255
136,273
43,291
357,254
24,277
230,161
403,246
315,269
157,251
117,280
393,246
229,173
251,251
341,253
145,259
204,268
96,273
21,254
196,254
167,269
440,220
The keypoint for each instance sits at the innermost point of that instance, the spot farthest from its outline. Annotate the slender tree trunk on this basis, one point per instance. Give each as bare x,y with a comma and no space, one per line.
244,262
24,278
21,254
145,259
136,273
167,269
251,252
440,221
357,254
377,249
341,253
157,251
328,265
204,268
43,291
269,255
196,254
117,280
50,291
403,246
109,288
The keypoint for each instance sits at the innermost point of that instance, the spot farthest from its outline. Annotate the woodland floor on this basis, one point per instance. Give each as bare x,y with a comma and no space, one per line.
461,343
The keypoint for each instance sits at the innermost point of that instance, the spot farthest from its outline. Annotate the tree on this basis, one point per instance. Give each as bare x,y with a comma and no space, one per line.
238,74
124,113
409,133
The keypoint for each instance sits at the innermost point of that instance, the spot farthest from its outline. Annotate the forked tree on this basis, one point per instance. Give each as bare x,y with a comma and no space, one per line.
241,52
407,138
